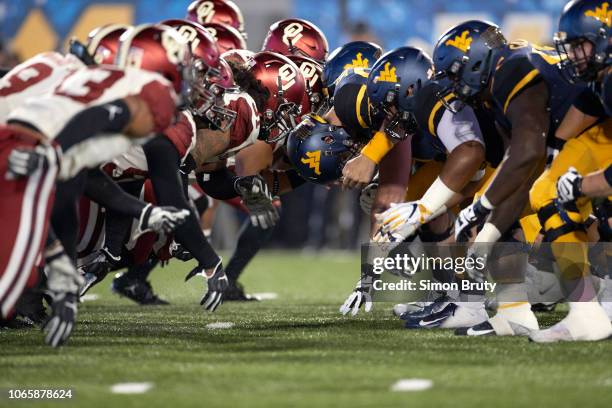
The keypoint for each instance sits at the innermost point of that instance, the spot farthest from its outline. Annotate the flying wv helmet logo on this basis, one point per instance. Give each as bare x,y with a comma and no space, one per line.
358,62
387,74
313,160
601,13
461,42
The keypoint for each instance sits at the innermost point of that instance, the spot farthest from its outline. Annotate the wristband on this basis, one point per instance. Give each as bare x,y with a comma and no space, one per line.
435,199
377,148
486,203
488,233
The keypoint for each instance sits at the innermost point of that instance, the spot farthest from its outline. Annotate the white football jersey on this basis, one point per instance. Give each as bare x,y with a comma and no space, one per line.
245,129
93,86
36,76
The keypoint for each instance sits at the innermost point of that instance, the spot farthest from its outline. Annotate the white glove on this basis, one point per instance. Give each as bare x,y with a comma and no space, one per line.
257,198
366,198
399,222
568,186
160,219
360,296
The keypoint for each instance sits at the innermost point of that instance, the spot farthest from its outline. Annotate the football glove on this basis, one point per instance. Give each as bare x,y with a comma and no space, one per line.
160,219
259,201
568,186
472,216
63,282
366,198
477,250
399,222
59,325
22,162
361,295
217,283
178,251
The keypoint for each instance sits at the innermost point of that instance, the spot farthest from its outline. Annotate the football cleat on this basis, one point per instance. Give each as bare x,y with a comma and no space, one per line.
137,290
434,307
235,293
410,307
432,320
482,329
586,321
96,270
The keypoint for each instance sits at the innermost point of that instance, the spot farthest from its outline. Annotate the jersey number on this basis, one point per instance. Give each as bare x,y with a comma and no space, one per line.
25,78
88,86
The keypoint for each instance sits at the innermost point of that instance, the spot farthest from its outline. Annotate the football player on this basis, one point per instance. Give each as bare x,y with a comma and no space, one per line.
131,102
525,91
583,43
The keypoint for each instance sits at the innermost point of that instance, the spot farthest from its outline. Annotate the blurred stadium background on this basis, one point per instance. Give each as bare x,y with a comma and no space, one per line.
313,217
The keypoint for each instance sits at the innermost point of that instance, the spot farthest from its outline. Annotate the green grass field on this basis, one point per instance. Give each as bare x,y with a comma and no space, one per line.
294,351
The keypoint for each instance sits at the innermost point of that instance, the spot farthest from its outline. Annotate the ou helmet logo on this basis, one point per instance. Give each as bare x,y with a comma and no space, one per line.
309,72
287,75
292,33
175,50
190,35
212,32
206,11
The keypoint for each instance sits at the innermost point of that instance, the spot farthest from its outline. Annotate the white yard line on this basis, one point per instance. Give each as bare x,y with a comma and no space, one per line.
131,388
412,384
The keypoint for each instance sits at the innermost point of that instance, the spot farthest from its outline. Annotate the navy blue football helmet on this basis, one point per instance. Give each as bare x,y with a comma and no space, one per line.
581,21
466,55
319,150
356,54
393,83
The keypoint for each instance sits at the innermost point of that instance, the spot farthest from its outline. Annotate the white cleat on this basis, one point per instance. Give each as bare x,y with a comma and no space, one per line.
465,316
517,320
586,321
605,296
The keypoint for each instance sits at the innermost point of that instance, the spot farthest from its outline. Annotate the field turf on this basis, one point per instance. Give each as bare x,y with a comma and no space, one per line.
295,351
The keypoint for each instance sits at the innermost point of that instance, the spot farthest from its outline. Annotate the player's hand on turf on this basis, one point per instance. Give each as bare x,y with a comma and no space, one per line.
472,216
358,172
361,295
59,325
366,198
22,162
160,219
569,186
399,222
258,199
217,283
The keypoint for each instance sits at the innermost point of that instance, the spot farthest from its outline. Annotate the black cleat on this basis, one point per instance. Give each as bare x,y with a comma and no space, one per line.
95,271
139,291
235,293
30,308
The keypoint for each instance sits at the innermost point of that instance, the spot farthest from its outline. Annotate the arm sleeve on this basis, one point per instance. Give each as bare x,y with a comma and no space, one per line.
103,190
111,117
456,129
163,160
218,184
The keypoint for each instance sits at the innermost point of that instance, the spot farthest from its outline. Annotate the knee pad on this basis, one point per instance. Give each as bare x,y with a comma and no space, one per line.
566,224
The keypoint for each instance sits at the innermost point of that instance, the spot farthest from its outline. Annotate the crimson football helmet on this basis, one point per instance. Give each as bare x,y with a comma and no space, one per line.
286,89
239,57
311,71
218,114
101,46
158,48
227,37
297,37
217,11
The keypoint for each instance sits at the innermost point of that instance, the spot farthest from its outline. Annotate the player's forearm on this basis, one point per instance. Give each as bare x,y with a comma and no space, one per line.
103,190
462,164
597,184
